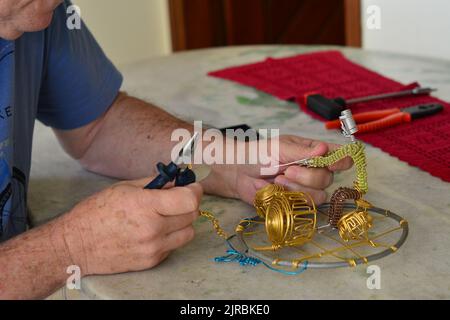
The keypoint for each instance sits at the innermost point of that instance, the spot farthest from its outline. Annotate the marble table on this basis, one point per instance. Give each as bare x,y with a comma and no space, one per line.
178,83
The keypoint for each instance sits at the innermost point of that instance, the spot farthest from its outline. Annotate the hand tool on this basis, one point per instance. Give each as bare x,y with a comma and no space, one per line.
348,125
376,120
331,109
245,128
181,170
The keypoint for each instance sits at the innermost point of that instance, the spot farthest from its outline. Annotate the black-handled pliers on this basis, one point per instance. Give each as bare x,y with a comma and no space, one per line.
181,169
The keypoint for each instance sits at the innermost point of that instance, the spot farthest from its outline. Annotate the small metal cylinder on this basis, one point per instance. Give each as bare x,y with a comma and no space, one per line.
348,124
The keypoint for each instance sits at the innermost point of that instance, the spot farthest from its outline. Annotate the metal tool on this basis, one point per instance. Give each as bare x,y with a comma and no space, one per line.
331,109
348,126
181,170
398,94
381,119
302,162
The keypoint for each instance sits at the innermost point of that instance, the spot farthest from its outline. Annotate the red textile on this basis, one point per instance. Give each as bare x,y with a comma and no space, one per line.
424,143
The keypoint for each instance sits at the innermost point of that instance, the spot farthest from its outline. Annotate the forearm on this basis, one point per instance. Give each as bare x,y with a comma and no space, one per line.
33,265
132,137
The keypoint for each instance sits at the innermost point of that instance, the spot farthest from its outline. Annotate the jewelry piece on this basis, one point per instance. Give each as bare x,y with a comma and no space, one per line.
327,249
319,240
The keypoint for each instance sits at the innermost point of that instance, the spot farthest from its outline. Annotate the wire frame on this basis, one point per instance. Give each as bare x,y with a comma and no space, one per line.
327,249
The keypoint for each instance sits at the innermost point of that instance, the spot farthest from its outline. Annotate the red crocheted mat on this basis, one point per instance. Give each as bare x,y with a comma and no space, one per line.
424,143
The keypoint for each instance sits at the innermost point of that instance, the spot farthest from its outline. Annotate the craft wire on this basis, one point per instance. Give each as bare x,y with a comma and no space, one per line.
233,255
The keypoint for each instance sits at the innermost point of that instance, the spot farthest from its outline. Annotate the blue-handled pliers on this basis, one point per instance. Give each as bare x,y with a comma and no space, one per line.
178,170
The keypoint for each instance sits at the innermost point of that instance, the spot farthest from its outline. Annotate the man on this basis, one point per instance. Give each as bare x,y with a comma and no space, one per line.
62,78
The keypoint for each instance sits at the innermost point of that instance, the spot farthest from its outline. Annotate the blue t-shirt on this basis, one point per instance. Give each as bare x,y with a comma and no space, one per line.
58,76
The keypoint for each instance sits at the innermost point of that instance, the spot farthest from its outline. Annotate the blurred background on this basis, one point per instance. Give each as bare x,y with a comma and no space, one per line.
131,31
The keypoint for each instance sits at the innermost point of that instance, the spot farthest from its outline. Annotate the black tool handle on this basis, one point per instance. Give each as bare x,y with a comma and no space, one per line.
424,110
327,108
166,174
185,178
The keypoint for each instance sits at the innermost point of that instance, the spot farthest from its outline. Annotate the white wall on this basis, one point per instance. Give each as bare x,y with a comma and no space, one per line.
128,31
134,30
418,27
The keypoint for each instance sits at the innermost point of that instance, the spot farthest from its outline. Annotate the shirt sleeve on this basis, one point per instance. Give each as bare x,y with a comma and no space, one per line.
80,83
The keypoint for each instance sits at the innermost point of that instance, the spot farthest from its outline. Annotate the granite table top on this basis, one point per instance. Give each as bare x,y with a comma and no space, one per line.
178,83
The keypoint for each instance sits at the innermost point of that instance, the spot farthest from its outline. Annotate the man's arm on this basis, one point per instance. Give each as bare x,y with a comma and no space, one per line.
132,136
33,265
128,141
125,141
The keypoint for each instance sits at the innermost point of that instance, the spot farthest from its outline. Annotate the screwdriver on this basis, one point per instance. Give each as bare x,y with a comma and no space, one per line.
331,109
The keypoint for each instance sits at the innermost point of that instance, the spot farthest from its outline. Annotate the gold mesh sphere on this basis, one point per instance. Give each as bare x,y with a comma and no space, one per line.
264,196
290,219
355,225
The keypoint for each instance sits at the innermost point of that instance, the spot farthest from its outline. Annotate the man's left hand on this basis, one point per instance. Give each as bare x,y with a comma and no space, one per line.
242,181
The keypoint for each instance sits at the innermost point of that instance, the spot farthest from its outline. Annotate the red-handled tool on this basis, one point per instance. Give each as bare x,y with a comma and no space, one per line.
376,120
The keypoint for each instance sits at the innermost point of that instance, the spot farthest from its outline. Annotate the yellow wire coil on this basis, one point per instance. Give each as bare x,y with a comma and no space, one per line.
353,150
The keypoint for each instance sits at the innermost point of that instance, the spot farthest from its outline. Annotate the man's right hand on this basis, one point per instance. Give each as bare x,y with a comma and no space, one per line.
126,228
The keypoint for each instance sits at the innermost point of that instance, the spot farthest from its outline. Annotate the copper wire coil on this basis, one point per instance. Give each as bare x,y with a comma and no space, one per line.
337,203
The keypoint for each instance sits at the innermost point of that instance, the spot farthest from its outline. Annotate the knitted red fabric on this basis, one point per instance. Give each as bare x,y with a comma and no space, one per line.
424,143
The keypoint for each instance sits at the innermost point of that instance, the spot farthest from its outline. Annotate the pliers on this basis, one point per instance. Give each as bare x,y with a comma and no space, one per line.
180,170
381,119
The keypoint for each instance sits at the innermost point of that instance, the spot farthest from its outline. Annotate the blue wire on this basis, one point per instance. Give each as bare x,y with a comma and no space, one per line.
234,255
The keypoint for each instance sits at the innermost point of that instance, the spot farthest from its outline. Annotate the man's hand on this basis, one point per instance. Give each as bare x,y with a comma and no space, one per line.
242,181
123,228
126,228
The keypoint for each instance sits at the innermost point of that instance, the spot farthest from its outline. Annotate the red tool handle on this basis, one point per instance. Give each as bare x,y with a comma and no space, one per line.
364,117
386,122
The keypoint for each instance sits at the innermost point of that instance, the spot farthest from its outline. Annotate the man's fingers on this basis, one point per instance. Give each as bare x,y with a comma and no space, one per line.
141,183
316,178
294,148
343,164
155,260
174,201
290,152
180,222
178,238
319,196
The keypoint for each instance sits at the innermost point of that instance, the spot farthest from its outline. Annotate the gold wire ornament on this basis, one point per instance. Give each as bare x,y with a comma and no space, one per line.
219,231
347,234
355,225
263,198
327,249
290,219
